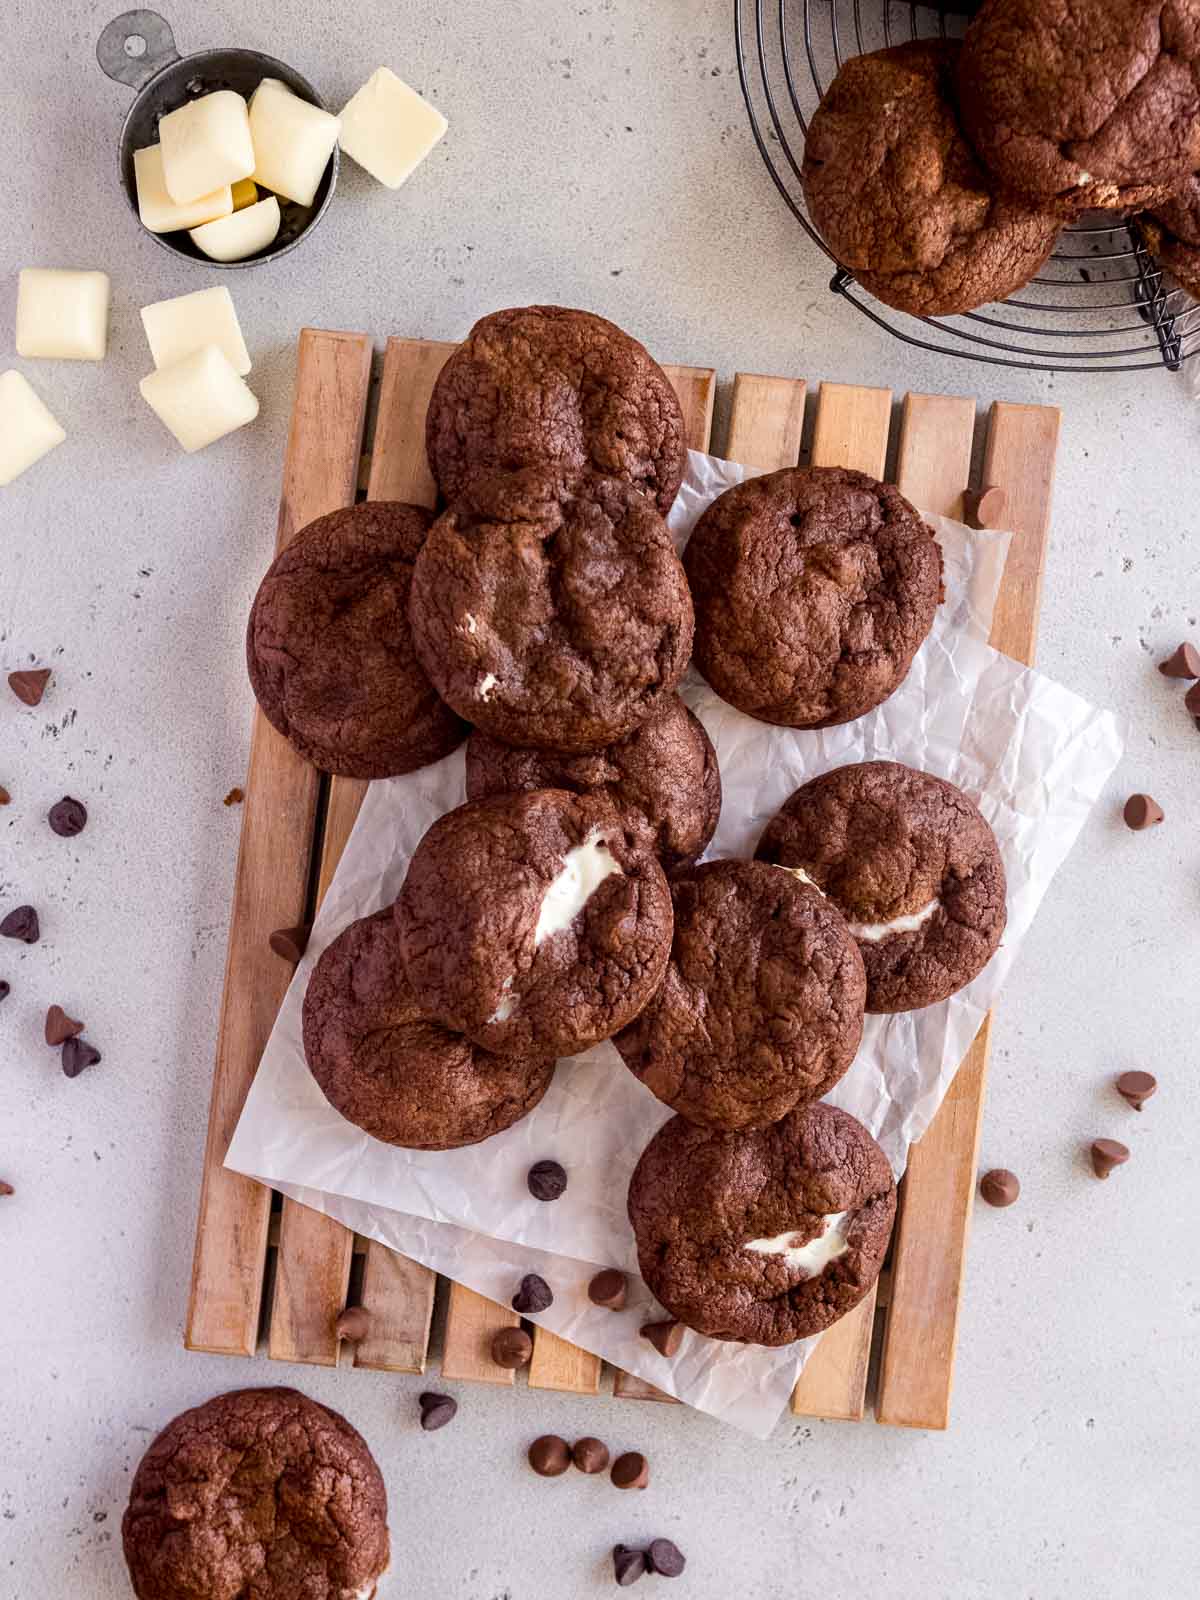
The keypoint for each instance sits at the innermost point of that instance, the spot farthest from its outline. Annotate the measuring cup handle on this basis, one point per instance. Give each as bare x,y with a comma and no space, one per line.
135,46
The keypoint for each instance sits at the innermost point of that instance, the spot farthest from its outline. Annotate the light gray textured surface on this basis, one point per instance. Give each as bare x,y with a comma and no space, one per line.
597,156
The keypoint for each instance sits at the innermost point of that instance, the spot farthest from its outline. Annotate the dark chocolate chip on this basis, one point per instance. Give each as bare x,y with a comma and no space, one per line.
985,508
590,1455
60,1027
1107,1154
77,1056
512,1348
631,1471
67,817
5,797
1136,1087
22,923
549,1456
29,687
1141,812
1192,700
235,797
547,1180
609,1288
290,943
665,1558
5,988
436,1410
533,1296
1184,663
628,1565
666,1337
999,1187
353,1324
6,1188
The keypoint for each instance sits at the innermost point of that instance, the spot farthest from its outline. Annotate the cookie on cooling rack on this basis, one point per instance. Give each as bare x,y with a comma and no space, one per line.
1084,103
549,386
763,1236
1172,234
913,867
899,197
814,587
259,1491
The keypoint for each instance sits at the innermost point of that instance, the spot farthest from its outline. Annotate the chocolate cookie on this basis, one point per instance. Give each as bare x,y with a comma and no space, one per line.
544,386
814,588
552,616
537,924
763,1236
662,777
259,1493
1085,102
899,196
913,867
329,649
1172,233
393,1070
761,1009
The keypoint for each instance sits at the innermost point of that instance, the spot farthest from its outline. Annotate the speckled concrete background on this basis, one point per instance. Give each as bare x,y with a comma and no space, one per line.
597,156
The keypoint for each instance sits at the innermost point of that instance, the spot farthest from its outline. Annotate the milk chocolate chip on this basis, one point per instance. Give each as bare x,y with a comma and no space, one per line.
549,1456
631,1471
60,1027
1141,811
1136,1087
1107,1154
30,686
1183,663
609,1288
590,1455
999,1187
512,1348
353,1324
666,1337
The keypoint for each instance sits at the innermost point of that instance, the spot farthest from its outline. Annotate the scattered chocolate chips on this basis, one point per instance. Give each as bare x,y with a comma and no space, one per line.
609,1288
1183,663
1107,1154
666,1337
549,1456
67,817
60,1027
547,1180
628,1565
353,1324
665,1558
5,988
1192,700
533,1296
436,1410
1141,811
631,1471
590,1455
6,1188
1000,1187
985,508
512,1348
29,687
77,1056
235,797
290,943
22,923
1136,1087
5,797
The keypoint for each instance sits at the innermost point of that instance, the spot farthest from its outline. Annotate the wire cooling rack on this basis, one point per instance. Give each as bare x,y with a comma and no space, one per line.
1101,301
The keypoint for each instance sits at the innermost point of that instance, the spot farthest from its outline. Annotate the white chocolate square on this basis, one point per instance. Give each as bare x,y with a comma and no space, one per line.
243,234
293,141
205,145
175,328
200,399
27,429
158,211
62,315
389,129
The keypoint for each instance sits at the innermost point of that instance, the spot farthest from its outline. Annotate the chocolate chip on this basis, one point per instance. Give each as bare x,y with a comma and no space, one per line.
549,1456
1192,700
1000,1187
29,687
631,1471
609,1288
628,1565
60,1027
290,943
235,797
6,1188
590,1455
22,923
436,1410
353,1324
77,1056
5,988
512,1348
5,797
666,1337
67,817
547,1180
1184,663
1136,1087
665,1558
1107,1154
534,1295
985,508
1141,812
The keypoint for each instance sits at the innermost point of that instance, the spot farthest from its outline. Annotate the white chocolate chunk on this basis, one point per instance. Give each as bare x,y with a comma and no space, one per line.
177,327
811,1258
206,144
158,211
27,429
389,129
508,1002
873,932
243,234
293,141
584,869
61,315
487,686
200,399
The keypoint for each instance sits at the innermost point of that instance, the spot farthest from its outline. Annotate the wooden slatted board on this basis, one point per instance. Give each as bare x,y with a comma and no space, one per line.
296,823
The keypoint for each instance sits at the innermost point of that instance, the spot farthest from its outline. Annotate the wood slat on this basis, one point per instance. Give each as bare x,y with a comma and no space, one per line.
471,1322
271,883
929,1253
766,421
852,428
933,465
627,1387
559,1365
399,1295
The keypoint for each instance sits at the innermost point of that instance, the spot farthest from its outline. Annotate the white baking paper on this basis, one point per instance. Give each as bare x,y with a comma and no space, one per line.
1033,754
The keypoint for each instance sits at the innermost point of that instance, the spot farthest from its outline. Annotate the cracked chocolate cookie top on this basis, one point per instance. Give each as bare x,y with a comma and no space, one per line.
913,867
662,777
1086,103
552,616
767,1235
899,196
814,587
1172,231
761,1008
534,923
330,652
545,386
258,1493
395,1071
